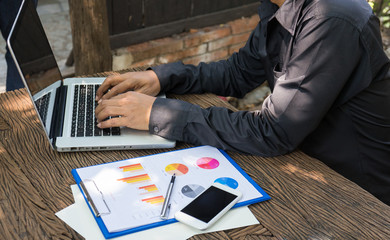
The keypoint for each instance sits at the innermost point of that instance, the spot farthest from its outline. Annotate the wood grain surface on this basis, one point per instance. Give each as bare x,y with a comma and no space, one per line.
3,124
309,200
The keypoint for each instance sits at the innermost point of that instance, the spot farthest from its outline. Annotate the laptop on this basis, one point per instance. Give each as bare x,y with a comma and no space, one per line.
65,106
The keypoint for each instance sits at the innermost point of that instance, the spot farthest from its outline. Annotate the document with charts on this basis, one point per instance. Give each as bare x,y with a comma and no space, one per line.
127,195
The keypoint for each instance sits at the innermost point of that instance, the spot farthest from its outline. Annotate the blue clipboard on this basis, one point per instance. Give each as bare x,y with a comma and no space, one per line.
109,235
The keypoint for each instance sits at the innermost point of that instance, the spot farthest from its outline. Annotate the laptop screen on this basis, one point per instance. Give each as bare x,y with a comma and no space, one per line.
32,50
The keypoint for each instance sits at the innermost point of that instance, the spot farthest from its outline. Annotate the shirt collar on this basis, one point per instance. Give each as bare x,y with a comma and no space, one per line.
267,10
288,14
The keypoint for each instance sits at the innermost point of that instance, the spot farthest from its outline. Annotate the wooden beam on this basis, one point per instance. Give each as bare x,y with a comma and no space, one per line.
168,29
91,48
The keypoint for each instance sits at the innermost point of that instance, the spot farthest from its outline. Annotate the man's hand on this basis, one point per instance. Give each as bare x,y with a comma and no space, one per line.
133,109
143,82
127,98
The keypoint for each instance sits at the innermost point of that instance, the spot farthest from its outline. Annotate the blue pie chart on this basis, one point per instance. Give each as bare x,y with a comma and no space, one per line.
230,182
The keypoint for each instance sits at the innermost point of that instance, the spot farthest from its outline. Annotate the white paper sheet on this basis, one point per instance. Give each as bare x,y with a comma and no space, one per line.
79,217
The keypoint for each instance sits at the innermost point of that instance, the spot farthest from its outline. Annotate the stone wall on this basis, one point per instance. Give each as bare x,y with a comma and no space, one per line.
198,45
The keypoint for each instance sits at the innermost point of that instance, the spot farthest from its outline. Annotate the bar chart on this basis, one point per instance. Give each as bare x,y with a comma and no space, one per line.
154,200
152,188
132,168
136,179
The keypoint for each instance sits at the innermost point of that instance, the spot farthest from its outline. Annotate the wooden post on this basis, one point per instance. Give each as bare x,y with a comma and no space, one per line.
91,46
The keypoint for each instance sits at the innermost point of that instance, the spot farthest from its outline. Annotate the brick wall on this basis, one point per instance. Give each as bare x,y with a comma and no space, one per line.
198,45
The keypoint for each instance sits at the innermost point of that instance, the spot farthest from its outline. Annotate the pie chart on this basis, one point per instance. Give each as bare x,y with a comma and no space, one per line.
207,163
176,168
230,182
192,190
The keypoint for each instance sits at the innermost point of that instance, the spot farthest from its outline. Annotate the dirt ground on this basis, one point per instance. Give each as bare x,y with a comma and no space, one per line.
253,100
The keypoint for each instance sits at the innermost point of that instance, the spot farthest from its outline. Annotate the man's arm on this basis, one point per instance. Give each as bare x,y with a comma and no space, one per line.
235,76
324,57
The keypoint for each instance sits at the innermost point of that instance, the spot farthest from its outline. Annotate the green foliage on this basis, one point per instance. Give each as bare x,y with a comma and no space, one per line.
381,8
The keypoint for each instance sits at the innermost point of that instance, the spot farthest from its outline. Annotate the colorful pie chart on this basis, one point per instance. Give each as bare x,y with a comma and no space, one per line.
192,190
207,163
176,168
230,182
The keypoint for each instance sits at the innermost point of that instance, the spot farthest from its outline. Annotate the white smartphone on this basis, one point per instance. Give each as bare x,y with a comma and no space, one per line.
209,206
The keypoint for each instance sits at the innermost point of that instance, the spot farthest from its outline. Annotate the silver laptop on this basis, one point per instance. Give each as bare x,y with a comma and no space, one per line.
65,106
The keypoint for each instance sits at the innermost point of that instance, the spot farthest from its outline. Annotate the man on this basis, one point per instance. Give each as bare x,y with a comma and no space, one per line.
324,62
8,11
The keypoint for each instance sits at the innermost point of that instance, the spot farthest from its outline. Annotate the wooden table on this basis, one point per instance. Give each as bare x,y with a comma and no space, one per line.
309,200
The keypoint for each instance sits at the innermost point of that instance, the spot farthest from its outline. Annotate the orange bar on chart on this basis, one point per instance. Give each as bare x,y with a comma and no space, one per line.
136,179
132,167
149,188
154,200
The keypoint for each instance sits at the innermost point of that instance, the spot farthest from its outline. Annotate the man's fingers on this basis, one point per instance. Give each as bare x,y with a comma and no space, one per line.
132,107
116,90
105,110
108,83
143,82
112,122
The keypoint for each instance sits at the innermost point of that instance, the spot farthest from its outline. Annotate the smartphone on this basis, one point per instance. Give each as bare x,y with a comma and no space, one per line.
209,206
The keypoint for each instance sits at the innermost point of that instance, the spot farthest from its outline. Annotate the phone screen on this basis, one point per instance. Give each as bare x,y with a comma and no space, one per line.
209,204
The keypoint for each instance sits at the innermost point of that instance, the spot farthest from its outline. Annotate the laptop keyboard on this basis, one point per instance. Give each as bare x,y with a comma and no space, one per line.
83,116
42,105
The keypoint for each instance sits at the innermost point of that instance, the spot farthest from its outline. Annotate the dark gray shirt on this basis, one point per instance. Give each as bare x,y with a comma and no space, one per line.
324,62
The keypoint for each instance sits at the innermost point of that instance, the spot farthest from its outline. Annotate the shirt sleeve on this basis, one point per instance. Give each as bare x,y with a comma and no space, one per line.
324,56
235,76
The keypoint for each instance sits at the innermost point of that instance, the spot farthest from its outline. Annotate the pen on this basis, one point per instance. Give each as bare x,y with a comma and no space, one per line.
167,205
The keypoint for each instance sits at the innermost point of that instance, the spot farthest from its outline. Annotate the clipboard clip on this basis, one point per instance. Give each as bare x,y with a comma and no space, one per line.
97,202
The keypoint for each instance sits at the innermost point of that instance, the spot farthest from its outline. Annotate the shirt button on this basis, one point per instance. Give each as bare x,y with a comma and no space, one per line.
155,129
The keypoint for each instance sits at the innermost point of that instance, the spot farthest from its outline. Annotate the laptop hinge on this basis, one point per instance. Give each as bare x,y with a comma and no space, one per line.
59,113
